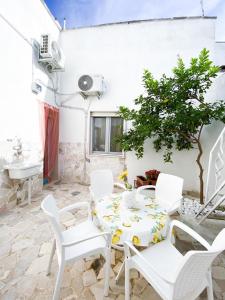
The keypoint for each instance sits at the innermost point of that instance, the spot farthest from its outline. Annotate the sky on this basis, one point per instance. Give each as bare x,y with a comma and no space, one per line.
82,13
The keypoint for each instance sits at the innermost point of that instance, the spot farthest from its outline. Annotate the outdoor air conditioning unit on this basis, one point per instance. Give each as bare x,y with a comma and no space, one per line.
90,85
51,54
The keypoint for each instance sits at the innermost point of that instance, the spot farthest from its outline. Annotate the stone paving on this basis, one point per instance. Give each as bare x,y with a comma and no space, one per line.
25,244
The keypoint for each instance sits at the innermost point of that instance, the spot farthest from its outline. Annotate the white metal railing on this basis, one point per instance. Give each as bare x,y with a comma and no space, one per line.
216,170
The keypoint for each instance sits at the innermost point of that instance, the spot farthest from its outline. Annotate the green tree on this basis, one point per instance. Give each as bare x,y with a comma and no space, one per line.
173,111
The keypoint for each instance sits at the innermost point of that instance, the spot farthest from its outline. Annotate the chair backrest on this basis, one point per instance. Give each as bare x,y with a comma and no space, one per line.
168,189
49,207
101,183
191,279
193,270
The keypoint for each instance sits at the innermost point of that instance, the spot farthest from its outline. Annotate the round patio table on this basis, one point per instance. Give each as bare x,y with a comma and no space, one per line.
141,222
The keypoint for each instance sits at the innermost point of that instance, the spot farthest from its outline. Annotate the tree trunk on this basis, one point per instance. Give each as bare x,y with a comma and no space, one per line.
201,171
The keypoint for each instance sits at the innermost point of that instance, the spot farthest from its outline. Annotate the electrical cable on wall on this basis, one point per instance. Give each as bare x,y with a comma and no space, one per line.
31,43
85,150
86,159
55,91
73,107
16,30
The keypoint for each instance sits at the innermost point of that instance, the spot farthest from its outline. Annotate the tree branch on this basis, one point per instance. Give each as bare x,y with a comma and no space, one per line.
193,140
200,131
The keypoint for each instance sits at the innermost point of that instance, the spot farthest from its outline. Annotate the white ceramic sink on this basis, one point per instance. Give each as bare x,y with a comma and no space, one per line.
21,170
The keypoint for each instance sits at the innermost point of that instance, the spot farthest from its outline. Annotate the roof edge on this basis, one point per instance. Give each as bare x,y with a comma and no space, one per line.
144,20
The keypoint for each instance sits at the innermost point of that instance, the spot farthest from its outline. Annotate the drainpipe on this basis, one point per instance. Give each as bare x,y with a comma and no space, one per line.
86,159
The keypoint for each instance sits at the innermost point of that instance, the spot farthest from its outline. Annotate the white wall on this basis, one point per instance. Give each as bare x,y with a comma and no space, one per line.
19,106
121,52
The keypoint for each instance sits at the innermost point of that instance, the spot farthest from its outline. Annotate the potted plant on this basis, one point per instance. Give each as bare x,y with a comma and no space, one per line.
152,176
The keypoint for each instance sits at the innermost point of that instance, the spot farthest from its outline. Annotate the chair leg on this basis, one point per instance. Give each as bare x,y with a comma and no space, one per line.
58,281
210,287
107,272
120,272
51,258
127,280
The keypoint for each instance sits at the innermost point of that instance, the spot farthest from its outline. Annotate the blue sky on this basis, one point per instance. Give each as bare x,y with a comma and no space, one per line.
80,13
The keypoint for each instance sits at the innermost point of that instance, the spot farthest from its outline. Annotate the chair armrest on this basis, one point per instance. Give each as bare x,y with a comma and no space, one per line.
190,231
120,185
77,205
144,187
128,245
107,236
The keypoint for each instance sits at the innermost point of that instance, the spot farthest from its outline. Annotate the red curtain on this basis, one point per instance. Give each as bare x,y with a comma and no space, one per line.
49,120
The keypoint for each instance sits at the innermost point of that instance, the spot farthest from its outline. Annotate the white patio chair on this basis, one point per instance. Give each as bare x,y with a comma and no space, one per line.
102,184
172,275
80,241
168,191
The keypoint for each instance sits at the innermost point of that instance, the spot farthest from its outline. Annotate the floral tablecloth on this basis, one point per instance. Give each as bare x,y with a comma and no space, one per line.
142,225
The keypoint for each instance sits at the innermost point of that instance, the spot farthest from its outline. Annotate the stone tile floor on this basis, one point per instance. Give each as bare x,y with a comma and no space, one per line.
25,245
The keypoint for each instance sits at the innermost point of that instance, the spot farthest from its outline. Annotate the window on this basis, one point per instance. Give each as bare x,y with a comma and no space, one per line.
104,130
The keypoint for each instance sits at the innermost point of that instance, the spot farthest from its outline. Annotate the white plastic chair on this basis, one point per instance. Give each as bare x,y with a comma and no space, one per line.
102,184
168,191
172,275
80,241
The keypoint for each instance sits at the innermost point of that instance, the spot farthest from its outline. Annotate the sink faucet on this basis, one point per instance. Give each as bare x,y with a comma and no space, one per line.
18,148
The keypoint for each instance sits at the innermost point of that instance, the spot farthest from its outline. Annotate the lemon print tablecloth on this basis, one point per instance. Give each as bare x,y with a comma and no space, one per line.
142,225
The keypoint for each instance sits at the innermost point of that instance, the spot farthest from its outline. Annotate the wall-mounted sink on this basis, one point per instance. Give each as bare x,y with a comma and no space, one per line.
23,170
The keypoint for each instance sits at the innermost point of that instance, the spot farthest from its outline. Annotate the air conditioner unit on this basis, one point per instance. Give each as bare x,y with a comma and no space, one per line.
90,85
51,54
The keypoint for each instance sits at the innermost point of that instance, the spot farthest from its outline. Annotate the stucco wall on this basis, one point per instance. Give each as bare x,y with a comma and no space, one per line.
121,52
20,23
19,106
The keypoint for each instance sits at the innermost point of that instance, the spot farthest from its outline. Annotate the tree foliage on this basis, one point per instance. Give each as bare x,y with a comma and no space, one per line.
173,110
